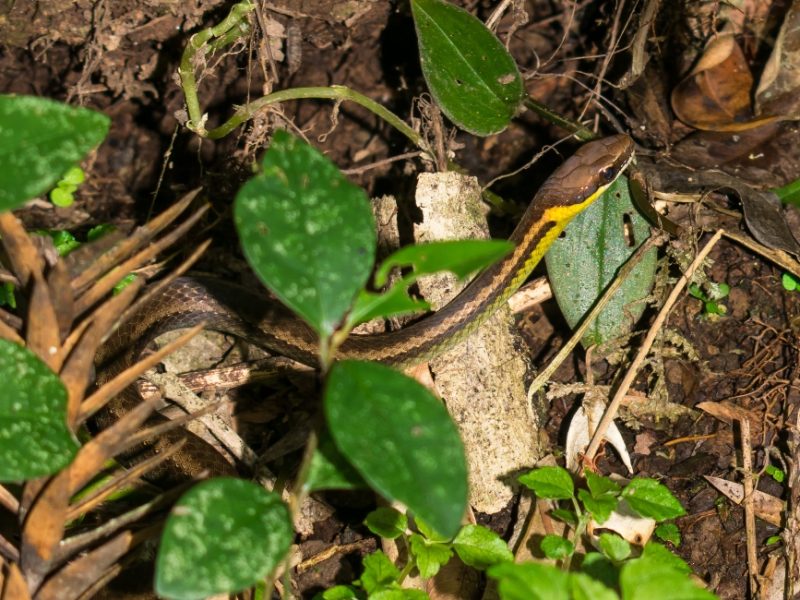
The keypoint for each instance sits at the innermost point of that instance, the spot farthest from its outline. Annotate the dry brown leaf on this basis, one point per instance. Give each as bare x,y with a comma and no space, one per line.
715,96
768,508
777,91
14,587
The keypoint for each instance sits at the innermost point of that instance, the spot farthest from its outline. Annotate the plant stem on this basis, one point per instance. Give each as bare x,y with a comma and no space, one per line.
578,130
236,16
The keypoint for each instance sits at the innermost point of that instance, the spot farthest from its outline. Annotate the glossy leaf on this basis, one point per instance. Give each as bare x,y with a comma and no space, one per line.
480,547
468,71
600,507
306,231
790,193
553,483
221,537
398,435
34,437
652,499
39,140
582,264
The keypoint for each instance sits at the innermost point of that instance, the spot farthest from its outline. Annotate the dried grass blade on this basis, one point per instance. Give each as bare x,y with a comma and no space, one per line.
77,576
15,587
140,236
21,251
107,282
121,480
42,336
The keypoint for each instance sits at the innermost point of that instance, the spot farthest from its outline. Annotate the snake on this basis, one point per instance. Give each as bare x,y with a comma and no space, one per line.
230,308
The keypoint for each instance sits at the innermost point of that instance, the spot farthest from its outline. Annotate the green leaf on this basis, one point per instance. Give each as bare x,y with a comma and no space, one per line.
398,435
386,522
614,547
530,581
73,177
429,532
584,587
601,507
469,72
586,259
652,499
39,140
789,282
553,483
98,231
399,594
776,473
669,532
480,548
63,241
567,516
330,470
306,231
598,567
461,257
379,572
429,556
647,577
393,302
600,486
339,592
221,537
61,197
657,553
34,437
790,193
556,547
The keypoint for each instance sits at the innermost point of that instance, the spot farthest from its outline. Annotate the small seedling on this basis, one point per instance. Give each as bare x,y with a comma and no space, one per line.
711,297
776,473
61,195
790,283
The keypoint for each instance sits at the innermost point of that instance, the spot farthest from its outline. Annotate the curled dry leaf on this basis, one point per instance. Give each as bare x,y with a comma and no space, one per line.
715,96
580,432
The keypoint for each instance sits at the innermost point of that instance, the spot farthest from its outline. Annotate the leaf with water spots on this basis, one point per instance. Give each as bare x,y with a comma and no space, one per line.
410,451
39,141
221,537
34,437
306,231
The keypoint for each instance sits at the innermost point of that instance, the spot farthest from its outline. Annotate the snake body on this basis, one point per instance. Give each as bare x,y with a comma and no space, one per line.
224,306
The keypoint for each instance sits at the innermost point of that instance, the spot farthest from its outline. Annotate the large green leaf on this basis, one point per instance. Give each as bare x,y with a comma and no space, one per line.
221,537
400,439
307,232
39,141
582,263
469,72
530,581
34,437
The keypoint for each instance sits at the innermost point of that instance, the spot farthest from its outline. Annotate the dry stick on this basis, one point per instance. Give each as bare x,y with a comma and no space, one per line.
622,275
613,407
749,509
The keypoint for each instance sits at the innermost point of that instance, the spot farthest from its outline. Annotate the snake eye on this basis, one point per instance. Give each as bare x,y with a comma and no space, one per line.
607,174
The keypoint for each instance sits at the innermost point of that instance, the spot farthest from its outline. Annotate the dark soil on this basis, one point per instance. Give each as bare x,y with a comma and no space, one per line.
121,58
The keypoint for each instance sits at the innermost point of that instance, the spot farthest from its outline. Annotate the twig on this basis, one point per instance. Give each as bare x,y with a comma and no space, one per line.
749,509
613,407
